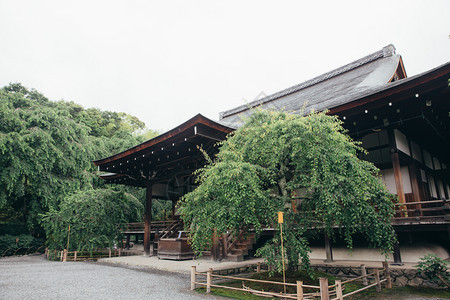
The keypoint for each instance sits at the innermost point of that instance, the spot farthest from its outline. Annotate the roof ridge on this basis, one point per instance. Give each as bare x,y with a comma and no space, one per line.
387,51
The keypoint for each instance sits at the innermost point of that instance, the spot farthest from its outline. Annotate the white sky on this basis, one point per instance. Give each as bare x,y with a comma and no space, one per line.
165,61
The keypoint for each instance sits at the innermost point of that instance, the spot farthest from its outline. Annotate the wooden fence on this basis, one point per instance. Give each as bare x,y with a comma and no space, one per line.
303,291
65,255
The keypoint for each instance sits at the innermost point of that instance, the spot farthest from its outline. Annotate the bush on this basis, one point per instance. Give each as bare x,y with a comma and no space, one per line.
435,268
95,218
9,244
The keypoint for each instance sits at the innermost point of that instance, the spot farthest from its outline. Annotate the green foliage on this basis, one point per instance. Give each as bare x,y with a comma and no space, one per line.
277,158
95,218
13,229
46,149
435,268
9,244
44,154
161,209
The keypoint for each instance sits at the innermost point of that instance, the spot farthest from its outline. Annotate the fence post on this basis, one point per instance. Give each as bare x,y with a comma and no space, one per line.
377,278
65,255
208,281
193,277
46,252
109,252
299,290
339,290
324,293
75,256
61,256
387,274
119,252
364,273
258,267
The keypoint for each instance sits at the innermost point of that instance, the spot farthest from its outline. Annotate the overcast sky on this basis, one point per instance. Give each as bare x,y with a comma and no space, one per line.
165,61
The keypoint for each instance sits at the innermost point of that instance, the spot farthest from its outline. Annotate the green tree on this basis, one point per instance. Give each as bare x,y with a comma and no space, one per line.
44,153
306,167
96,218
47,147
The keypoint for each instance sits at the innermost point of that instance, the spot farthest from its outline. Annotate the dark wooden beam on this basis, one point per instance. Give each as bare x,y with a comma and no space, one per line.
148,219
415,184
398,180
328,249
397,255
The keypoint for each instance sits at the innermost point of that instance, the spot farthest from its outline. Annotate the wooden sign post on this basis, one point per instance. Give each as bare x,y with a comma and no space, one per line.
280,221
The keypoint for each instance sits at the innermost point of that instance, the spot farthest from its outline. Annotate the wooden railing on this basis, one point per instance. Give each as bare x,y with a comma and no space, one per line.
323,290
434,209
65,255
303,291
339,287
139,227
171,229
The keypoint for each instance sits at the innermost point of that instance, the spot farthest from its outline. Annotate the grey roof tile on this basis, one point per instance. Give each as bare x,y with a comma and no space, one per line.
329,90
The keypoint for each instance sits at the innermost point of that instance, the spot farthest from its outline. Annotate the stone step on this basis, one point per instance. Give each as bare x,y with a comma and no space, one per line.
244,246
239,252
235,257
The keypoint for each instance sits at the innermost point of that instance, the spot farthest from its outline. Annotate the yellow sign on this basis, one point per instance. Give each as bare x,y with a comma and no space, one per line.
280,217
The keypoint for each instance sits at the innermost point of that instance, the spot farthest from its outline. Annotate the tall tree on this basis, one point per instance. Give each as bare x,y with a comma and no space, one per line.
44,154
96,218
47,147
306,167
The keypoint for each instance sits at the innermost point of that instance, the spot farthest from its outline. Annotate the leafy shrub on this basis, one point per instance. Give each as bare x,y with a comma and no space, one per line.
9,244
435,268
95,218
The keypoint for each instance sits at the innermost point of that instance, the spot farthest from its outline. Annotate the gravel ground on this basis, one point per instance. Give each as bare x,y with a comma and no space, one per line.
33,277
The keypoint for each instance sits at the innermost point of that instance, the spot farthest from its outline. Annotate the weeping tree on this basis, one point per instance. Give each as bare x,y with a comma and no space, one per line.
307,167
96,219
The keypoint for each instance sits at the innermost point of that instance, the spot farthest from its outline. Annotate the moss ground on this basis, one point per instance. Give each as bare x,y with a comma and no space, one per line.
292,277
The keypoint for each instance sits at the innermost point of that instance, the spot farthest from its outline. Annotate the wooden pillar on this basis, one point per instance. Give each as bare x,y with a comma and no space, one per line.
377,279
324,293
398,181
208,281
148,219
415,185
364,273
396,167
215,246
224,245
155,244
339,290
328,249
299,290
174,203
387,274
127,244
414,182
193,277
397,256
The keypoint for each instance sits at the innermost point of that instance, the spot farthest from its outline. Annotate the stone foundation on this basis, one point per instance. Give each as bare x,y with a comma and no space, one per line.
399,277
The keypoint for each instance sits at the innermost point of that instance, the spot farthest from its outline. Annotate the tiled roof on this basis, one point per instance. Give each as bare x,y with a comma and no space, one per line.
333,88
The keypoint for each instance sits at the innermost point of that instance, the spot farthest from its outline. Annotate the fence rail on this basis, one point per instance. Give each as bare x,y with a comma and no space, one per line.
65,255
323,290
16,250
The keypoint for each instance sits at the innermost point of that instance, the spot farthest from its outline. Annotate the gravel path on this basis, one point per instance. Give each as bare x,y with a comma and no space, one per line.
33,277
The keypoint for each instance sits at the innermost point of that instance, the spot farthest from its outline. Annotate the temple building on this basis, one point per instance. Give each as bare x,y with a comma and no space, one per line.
403,122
